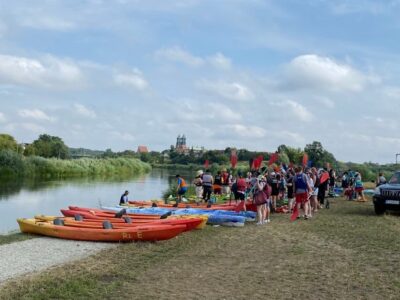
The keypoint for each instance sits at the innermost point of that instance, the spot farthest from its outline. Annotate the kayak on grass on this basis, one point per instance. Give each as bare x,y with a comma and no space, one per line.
142,233
214,217
80,221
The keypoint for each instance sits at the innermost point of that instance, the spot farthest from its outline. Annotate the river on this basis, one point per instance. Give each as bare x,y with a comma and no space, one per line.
25,198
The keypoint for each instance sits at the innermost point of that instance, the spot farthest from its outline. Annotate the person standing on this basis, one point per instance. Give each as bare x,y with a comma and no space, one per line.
301,190
290,177
124,198
381,179
198,183
208,182
181,188
322,187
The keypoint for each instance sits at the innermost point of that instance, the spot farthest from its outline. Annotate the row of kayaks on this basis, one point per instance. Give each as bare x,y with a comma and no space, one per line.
130,223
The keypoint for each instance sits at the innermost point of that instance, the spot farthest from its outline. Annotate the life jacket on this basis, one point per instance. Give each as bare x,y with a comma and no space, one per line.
182,183
207,180
218,180
300,182
241,185
225,178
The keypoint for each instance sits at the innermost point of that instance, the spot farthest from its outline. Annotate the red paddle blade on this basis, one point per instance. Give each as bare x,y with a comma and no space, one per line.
324,177
305,159
295,213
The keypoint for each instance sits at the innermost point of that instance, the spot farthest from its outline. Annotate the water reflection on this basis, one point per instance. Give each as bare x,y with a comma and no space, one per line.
25,198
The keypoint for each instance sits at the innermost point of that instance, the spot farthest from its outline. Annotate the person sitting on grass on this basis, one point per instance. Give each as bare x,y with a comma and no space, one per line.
181,189
124,198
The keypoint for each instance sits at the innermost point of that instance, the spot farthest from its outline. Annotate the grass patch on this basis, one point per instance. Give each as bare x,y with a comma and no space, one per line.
15,237
345,252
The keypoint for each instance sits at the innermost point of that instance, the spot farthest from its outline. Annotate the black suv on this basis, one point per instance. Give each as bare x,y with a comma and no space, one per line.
387,196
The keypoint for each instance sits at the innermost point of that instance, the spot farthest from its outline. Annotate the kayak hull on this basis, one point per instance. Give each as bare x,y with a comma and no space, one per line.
149,233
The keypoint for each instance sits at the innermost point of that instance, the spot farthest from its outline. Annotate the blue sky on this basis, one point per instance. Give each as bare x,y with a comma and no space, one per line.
239,73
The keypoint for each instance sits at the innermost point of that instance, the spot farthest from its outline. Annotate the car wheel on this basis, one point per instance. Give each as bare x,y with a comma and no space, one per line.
379,209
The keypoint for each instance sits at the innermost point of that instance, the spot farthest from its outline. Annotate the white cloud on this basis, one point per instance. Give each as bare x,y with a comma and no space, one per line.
35,114
327,102
125,136
32,127
229,90
222,112
3,118
84,111
316,72
245,131
220,61
47,23
49,72
296,109
177,54
133,79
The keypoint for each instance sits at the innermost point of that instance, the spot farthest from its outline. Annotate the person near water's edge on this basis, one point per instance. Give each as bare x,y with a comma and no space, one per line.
124,198
181,188
208,182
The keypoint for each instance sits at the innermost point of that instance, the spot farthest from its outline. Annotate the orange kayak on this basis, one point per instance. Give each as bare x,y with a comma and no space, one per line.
190,223
141,233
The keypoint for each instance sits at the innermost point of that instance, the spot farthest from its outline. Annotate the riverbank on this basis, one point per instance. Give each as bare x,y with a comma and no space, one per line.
13,165
341,253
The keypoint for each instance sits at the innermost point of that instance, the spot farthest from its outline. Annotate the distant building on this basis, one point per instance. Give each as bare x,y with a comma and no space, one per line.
181,145
142,149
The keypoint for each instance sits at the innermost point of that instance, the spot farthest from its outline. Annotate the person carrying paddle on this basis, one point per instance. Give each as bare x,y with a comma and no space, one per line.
302,189
181,188
124,198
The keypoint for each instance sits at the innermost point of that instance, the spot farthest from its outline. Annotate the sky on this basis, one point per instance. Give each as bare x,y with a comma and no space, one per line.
240,73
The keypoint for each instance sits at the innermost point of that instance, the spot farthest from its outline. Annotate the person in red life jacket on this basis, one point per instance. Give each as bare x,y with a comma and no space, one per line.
302,189
241,186
181,188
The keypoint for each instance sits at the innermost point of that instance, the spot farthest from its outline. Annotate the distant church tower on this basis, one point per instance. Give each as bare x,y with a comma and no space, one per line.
181,144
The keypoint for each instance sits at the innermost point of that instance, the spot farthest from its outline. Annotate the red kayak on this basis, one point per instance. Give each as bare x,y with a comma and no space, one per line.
137,203
102,212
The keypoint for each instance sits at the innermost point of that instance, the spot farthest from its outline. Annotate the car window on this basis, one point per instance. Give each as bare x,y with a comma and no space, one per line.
395,178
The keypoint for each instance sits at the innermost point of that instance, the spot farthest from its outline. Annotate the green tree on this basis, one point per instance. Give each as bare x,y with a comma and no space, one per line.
7,142
318,155
50,146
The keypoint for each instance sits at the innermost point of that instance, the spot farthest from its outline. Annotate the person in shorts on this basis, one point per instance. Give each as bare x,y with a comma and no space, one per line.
301,191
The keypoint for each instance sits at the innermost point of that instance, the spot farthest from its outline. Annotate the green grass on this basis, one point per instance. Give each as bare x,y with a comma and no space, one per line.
14,165
15,237
345,252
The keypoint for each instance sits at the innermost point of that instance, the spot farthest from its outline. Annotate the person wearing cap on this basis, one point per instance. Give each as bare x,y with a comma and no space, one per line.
124,198
198,183
181,188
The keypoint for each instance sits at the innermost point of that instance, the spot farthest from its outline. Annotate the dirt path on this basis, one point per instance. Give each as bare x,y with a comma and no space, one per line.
41,253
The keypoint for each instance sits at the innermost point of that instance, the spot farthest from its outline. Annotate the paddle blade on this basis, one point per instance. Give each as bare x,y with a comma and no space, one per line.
206,164
234,160
295,213
273,158
305,159
324,177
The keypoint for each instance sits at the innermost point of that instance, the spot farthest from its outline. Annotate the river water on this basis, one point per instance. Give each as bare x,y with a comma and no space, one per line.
25,198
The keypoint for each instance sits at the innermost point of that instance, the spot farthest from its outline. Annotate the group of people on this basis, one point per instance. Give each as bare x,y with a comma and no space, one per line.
302,187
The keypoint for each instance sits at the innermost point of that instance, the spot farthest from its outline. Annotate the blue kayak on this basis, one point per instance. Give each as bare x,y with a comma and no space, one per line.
215,217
